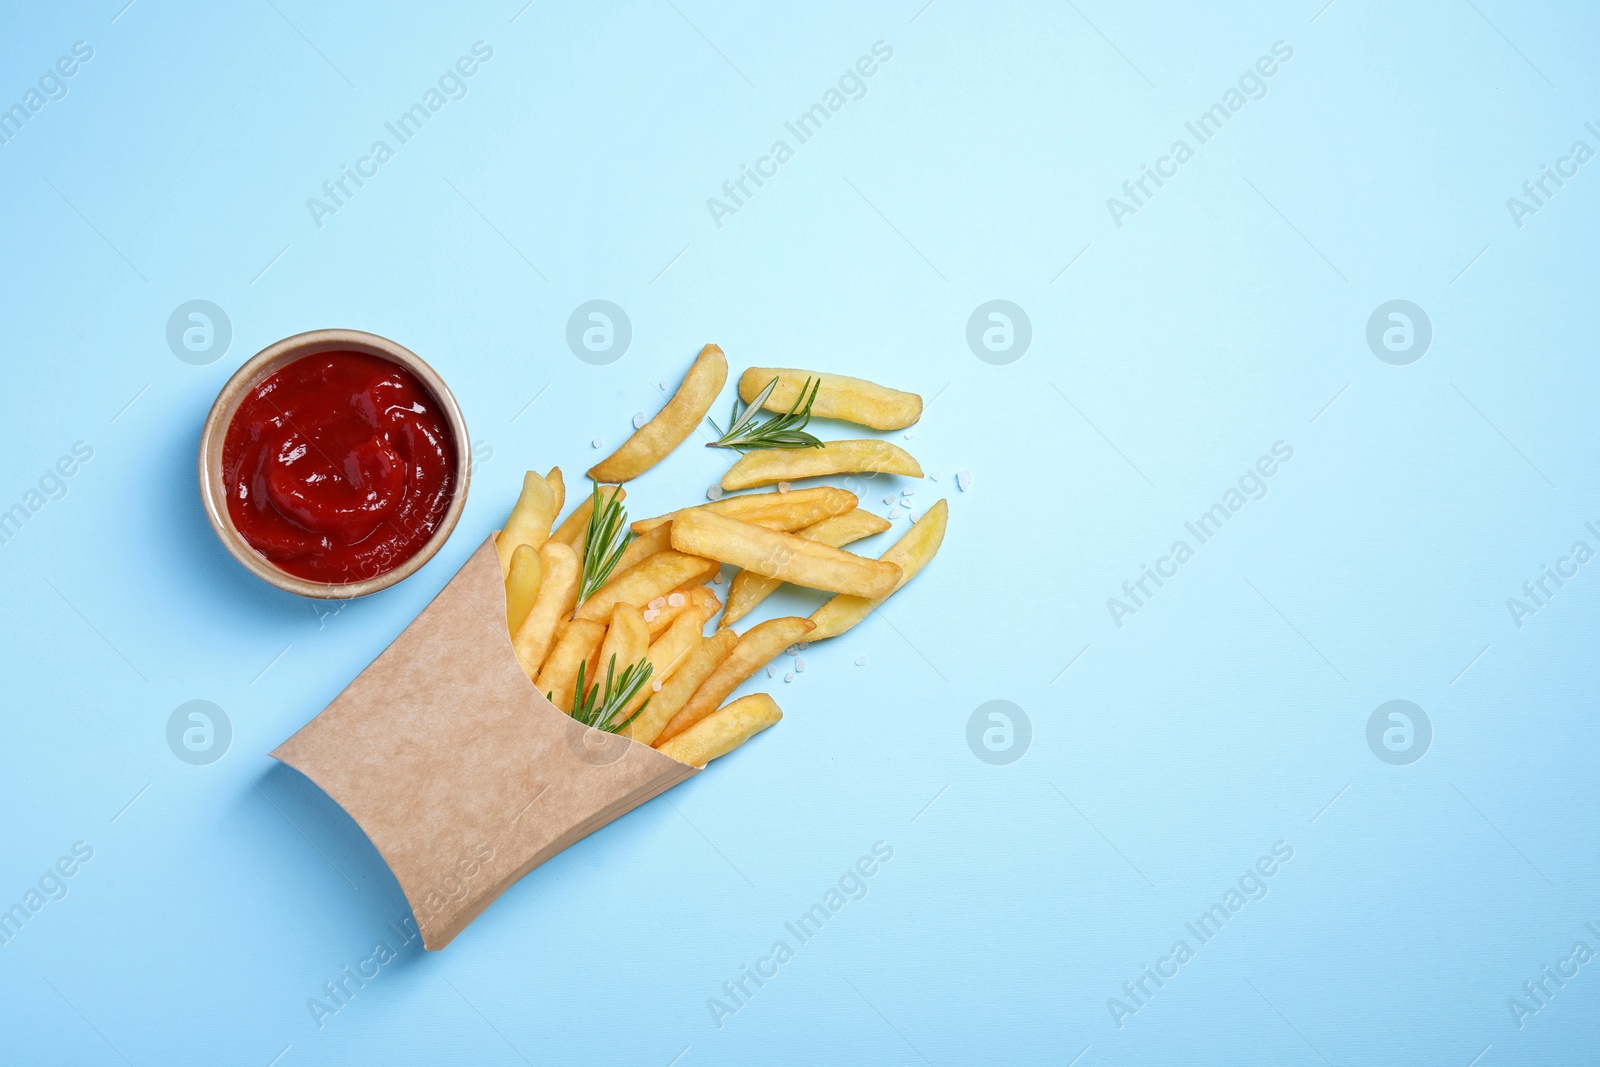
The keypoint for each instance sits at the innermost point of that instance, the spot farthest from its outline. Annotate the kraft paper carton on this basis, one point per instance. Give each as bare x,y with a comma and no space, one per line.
464,777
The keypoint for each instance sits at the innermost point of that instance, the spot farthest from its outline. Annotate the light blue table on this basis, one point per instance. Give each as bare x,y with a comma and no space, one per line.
1172,736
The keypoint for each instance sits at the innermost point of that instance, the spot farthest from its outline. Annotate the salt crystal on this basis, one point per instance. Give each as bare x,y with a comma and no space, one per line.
661,386
791,651
889,499
861,661
894,512
934,475
597,443
802,645
783,487
638,419
651,615
910,434
963,479
658,603
799,664
714,493
908,490
677,600
655,686
771,672
788,676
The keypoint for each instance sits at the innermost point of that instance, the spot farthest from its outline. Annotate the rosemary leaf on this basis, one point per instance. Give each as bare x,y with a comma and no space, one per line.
783,430
599,708
607,538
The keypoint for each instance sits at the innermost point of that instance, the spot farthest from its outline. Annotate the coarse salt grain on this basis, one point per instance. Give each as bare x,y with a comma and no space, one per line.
802,645
791,651
910,434
661,386
638,419
800,664
677,600
889,499
658,603
788,676
651,615
934,475
714,493
861,661
909,490
894,512
783,487
596,443
963,479
655,686
771,671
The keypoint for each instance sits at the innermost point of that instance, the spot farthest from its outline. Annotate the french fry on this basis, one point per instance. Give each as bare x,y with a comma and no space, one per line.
558,592
779,555
666,654
768,466
668,651
558,490
626,639
576,642
837,397
522,585
676,691
650,443
756,647
644,546
724,730
700,600
912,552
654,576
573,529
529,521
774,510
749,588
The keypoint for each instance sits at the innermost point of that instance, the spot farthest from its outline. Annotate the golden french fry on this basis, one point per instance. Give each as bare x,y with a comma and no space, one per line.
657,575
558,490
775,510
755,648
558,592
749,588
723,730
529,521
768,466
576,642
912,552
626,641
676,691
779,555
838,397
651,442
662,612
668,651
644,546
522,585
576,526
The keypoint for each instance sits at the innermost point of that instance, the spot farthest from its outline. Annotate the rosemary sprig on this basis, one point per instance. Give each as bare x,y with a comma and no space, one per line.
607,538
785,430
596,708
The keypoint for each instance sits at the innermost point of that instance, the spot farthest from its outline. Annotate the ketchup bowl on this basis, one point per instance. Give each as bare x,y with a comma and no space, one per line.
334,464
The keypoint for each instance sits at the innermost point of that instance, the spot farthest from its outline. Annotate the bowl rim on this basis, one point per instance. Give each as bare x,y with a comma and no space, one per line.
213,493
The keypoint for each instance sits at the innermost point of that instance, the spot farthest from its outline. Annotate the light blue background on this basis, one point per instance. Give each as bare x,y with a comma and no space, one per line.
1227,715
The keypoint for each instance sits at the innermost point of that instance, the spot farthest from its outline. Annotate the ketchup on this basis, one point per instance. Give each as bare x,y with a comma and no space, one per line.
339,466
